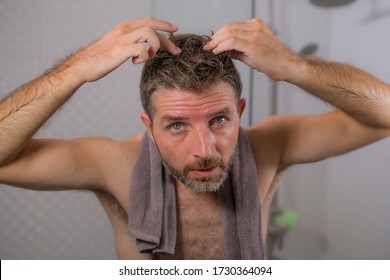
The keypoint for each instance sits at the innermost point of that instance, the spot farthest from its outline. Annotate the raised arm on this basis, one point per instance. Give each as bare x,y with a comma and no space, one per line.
359,94
364,101
28,107
346,87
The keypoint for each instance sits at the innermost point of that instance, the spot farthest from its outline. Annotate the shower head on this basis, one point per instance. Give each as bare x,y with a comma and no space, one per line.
331,3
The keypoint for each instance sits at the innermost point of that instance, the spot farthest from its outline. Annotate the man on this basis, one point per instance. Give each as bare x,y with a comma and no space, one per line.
195,129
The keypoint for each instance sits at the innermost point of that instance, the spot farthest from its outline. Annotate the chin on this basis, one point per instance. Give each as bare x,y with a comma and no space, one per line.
205,186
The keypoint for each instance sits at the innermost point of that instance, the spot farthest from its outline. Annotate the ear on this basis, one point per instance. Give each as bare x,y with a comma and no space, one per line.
148,124
241,106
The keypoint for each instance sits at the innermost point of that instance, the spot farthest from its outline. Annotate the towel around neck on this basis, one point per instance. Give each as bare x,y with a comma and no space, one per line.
152,204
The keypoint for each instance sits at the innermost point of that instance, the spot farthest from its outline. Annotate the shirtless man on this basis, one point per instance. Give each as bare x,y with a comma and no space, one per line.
186,126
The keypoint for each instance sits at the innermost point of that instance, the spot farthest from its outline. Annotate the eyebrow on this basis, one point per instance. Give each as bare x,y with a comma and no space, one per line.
171,118
225,111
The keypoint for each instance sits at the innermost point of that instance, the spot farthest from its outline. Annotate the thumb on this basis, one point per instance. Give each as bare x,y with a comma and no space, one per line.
242,57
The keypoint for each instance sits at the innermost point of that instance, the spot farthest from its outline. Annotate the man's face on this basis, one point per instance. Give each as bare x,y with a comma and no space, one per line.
196,134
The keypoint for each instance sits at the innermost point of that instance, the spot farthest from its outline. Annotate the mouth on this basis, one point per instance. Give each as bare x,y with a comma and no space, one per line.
204,172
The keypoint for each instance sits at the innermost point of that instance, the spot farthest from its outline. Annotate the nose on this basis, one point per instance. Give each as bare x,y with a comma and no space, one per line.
203,143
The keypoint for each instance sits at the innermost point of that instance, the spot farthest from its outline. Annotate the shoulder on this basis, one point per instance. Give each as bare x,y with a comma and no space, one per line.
117,152
266,138
103,146
112,158
270,138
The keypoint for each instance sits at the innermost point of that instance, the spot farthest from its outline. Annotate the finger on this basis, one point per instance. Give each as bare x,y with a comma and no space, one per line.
230,40
139,53
154,24
230,44
154,40
134,45
248,25
220,36
168,45
118,55
145,36
242,57
232,29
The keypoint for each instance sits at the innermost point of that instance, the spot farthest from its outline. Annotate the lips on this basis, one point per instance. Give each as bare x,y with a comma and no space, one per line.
204,172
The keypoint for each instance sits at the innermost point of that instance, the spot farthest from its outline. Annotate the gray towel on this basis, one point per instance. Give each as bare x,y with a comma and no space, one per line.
152,205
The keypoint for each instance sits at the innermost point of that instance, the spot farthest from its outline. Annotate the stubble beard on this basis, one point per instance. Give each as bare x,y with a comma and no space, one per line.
202,184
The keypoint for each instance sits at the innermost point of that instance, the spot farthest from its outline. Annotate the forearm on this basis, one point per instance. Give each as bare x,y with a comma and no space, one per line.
28,107
357,93
348,88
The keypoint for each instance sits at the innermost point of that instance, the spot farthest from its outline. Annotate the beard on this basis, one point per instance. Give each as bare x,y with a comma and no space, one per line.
203,184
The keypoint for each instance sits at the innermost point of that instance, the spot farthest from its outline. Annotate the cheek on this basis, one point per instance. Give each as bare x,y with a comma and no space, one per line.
227,143
171,151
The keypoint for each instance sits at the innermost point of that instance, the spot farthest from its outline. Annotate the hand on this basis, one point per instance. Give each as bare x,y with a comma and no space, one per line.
254,44
127,40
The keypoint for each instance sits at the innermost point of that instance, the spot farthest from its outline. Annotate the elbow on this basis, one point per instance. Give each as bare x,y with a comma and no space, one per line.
6,159
374,112
4,163
381,111
379,118
382,115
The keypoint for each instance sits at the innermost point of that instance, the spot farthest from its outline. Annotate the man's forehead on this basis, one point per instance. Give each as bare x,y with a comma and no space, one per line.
177,115
181,101
215,93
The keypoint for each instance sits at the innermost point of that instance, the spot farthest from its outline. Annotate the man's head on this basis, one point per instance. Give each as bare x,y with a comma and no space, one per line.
193,70
193,109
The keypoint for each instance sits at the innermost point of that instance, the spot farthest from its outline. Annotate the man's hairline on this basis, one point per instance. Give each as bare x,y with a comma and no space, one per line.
202,92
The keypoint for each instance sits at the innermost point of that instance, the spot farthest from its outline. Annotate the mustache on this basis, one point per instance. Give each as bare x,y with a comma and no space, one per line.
203,164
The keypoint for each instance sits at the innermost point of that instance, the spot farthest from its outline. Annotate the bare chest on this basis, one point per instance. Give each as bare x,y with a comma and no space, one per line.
199,229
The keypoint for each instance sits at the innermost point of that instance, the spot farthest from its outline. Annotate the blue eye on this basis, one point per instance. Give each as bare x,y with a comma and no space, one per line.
176,126
219,120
